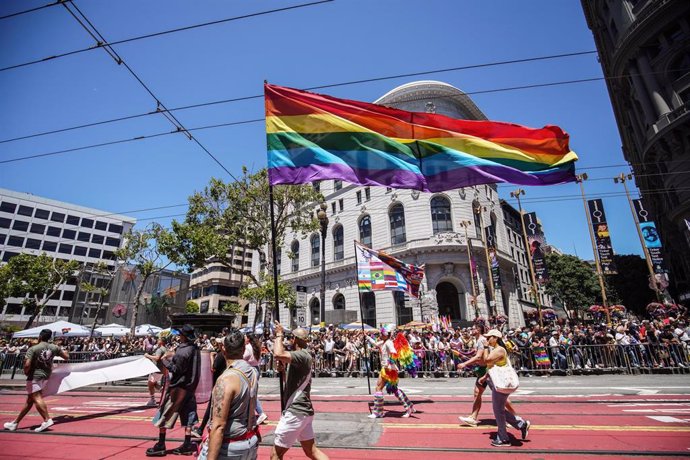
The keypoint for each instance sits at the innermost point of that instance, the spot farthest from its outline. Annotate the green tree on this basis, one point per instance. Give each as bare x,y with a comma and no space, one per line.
36,278
572,281
148,252
99,271
225,216
192,307
632,282
263,295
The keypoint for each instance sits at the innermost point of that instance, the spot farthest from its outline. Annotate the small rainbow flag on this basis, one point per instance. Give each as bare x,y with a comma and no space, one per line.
541,356
312,137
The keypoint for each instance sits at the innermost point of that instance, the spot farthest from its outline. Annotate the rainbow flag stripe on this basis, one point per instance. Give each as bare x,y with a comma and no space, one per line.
313,137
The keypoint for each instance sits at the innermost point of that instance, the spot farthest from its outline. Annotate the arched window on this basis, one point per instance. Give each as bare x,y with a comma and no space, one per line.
440,215
365,231
477,218
397,220
338,241
315,250
339,302
294,248
315,308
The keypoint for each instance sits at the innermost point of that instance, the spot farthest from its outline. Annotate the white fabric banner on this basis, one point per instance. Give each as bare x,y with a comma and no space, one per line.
67,377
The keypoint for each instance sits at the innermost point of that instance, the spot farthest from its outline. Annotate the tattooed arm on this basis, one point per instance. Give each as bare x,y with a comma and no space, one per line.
225,390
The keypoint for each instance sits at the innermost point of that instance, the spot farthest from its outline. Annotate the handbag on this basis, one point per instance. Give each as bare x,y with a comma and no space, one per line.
504,378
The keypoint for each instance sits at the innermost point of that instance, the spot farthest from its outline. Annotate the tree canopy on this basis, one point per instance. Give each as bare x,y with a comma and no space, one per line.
572,281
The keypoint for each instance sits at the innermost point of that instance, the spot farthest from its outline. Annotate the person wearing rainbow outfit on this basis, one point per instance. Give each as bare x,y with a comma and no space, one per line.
393,352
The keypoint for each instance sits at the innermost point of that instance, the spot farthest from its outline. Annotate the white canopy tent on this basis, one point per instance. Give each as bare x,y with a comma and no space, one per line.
147,329
59,328
113,330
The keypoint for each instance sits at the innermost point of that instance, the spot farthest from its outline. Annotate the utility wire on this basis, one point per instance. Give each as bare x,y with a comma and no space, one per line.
19,13
104,43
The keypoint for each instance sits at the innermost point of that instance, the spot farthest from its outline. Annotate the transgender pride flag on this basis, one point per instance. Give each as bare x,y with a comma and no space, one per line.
377,271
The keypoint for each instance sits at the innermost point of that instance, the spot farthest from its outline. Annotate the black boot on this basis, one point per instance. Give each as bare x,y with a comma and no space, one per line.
158,450
185,449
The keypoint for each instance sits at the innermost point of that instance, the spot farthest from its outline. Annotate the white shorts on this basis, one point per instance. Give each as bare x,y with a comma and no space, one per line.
293,428
34,386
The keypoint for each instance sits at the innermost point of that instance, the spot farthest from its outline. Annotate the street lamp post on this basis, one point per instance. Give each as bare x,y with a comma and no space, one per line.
622,178
580,178
323,220
516,194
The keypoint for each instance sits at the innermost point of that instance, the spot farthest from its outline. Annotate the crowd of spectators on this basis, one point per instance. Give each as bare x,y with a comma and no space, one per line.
563,345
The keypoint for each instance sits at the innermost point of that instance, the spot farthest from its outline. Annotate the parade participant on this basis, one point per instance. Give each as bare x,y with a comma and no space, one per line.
296,420
498,356
480,384
157,380
38,365
185,366
388,376
234,432
252,354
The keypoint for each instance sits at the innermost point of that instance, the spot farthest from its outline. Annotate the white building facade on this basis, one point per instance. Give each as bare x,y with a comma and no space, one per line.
33,225
418,228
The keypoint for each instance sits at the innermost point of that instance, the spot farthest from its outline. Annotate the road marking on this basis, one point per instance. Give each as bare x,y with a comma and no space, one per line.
667,419
453,426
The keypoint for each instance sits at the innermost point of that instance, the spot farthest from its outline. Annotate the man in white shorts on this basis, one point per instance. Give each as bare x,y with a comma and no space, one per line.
296,421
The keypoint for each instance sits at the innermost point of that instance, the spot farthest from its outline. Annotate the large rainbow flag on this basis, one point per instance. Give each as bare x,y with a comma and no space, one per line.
312,137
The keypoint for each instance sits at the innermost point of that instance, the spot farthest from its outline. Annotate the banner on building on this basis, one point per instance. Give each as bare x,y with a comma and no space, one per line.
602,236
493,257
535,239
651,237
473,269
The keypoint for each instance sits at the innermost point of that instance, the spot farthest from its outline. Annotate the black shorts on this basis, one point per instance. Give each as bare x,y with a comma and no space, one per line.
481,384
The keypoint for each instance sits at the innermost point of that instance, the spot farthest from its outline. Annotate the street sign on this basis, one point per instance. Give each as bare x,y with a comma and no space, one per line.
301,296
301,317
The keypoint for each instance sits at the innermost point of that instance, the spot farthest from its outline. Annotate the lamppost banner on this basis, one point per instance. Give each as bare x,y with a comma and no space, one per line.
651,236
602,236
473,268
535,239
493,258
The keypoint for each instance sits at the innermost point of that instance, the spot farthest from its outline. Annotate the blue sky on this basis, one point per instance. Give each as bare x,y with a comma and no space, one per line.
334,42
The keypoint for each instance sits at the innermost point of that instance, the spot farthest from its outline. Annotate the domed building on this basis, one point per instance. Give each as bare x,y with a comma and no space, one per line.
416,227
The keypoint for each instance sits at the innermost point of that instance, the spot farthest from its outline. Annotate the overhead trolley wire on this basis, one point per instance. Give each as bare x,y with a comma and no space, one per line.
19,13
101,44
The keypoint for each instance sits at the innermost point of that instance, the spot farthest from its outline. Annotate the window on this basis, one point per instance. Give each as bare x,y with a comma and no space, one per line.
365,231
367,194
359,197
477,218
333,208
15,241
95,253
79,251
203,307
315,250
8,255
4,222
67,295
112,242
338,239
339,302
38,228
87,223
97,239
83,236
6,206
279,258
397,223
20,225
295,255
2,238
57,217
316,185
404,314
69,234
337,185
389,189
440,215
341,204
41,213
32,243
72,220
26,211
14,309
49,246
108,255
65,248
53,231
101,225
115,228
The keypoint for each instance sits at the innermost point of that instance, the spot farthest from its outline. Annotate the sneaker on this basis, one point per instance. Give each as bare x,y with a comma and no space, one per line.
185,449
196,432
152,402
261,419
158,450
11,426
44,426
467,421
525,429
499,443
374,416
409,412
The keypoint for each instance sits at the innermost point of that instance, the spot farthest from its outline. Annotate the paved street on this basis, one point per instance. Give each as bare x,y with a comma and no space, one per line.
606,416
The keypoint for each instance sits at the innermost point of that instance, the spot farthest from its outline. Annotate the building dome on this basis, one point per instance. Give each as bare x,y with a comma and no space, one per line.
432,96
